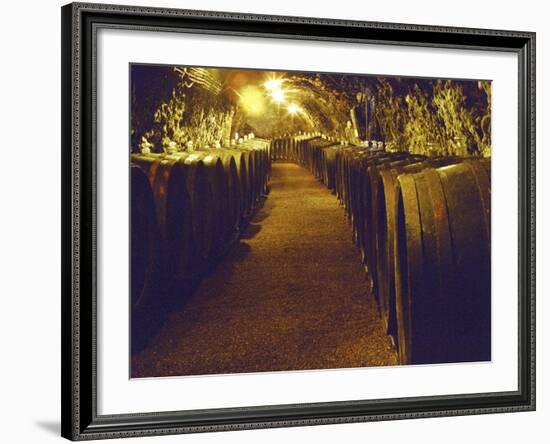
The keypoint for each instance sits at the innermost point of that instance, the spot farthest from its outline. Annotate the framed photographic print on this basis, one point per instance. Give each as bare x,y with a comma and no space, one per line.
279,221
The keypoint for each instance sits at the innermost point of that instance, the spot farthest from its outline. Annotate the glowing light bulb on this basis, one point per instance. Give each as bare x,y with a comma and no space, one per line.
273,84
278,95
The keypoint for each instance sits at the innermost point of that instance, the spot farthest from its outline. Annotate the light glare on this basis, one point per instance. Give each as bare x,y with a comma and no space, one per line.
252,100
278,95
293,108
273,84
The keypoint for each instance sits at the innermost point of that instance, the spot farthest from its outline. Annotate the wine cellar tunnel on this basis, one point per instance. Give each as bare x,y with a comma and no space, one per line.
294,221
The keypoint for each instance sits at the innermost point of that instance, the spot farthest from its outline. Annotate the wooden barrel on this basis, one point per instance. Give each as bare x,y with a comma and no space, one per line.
313,155
211,208
282,148
259,167
266,150
384,191
301,150
264,146
246,183
258,174
350,157
442,264
252,169
361,202
248,157
276,149
169,179
231,193
292,149
340,174
369,219
329,166
353,159
241,184
144,236
285,149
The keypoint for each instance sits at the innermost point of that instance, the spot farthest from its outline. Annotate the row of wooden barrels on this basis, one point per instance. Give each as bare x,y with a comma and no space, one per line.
423,226
187,208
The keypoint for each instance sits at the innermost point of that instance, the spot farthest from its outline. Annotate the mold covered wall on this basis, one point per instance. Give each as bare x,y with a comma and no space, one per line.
180,107
434,117
188,107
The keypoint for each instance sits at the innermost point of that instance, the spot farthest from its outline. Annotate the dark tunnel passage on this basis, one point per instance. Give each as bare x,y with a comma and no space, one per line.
292,221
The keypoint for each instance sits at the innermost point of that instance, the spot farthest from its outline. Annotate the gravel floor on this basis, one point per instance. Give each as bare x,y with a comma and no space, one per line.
291,295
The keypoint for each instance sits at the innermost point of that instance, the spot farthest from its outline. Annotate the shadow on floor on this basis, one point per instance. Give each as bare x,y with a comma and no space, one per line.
251,231
147,322
52,427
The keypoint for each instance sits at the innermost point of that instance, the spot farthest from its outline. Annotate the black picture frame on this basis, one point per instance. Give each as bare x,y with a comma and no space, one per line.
80,420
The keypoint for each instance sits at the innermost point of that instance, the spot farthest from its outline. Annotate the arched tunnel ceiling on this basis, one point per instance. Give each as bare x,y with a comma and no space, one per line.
206,106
